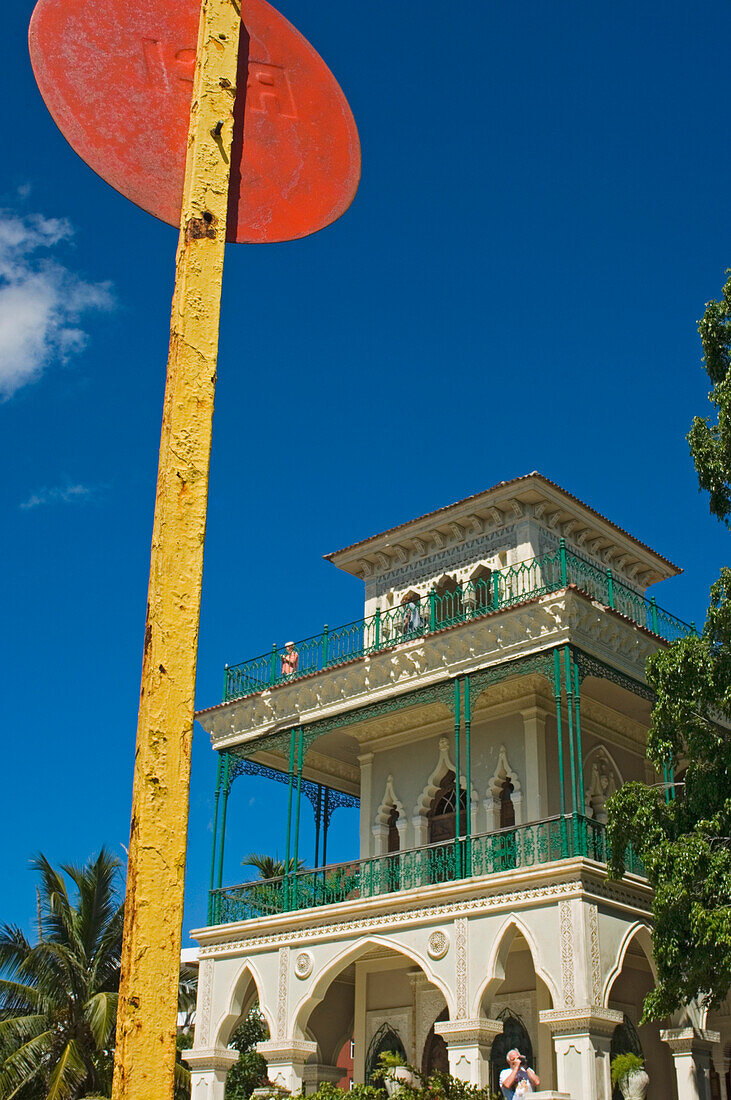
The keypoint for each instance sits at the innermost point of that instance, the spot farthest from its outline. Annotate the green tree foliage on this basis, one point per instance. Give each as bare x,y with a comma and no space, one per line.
710,439
58,997
683,833
685,842
251,1069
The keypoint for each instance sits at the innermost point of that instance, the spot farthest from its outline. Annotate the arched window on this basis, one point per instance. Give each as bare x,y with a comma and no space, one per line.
443,812
386,1038
514,1034
480,590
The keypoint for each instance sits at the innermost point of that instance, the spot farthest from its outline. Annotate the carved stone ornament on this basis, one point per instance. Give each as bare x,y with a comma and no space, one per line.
303,965
437,944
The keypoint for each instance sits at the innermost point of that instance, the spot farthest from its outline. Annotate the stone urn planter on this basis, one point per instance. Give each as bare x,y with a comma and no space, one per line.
396,1077
634,1085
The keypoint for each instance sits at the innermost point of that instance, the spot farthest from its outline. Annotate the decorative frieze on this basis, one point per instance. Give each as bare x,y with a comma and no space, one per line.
461,965
567,952
282,991
393,920
591,1018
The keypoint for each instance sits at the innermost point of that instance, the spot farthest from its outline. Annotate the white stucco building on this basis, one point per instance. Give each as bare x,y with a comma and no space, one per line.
489,702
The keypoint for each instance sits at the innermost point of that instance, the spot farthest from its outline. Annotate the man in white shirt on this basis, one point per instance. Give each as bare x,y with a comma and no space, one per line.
518,1081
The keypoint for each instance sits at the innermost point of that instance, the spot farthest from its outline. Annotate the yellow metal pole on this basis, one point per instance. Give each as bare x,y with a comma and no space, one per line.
146,1020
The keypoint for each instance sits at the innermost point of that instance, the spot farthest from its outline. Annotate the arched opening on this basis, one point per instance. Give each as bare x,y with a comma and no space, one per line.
394,837
514,1036
625,1040
386,1039
516,994
448,602
507,809
375,993
412,621
627,991
479,593
435,1058
442,815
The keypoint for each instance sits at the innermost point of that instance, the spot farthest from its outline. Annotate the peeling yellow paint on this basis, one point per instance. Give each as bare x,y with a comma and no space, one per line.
146,1021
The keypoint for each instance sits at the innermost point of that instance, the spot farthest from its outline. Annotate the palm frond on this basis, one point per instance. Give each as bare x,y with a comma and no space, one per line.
26,1063
67,1074
14,948
101,1015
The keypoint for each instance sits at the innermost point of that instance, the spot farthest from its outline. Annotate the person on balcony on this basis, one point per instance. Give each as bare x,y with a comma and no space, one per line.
290,660
412,618
518,1081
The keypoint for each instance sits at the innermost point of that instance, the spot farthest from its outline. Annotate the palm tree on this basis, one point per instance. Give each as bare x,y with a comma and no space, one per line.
270,866
58,997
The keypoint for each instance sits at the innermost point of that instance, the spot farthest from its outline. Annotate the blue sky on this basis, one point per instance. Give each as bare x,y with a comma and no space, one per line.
541,218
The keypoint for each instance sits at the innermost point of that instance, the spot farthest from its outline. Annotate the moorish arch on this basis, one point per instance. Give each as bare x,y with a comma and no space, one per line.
640,933
307,1004
498,958
425,801
245,991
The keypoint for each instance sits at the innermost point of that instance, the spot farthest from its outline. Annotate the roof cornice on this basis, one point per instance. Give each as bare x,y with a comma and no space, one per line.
531,495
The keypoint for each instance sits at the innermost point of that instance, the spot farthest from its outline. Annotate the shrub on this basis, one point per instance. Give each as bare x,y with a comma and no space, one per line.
623,1065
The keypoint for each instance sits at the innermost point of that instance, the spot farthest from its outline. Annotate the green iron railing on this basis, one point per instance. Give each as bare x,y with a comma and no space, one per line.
509,849
386,628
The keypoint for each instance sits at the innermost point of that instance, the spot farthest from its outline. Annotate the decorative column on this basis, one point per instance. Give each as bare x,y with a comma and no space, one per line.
366,809
208,1071
691,1050
536,783
286,1059
582,1039
468,1046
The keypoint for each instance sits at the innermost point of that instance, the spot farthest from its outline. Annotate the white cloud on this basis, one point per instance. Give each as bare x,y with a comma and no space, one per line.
66,495
41,300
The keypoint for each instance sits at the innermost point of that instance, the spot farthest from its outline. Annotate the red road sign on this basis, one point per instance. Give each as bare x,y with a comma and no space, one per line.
117,78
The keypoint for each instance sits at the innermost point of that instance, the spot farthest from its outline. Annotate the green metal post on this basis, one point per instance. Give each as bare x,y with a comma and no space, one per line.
559,738
378,629
225,683
325,645
273,666
226,788
457,785
292,737
295,858
215,835
432,608
668,779
562,557
653,614
579,750
468,775
572,753
496,589
610,588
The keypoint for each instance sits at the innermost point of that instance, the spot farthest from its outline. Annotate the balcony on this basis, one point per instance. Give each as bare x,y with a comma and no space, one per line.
524,846
506,588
